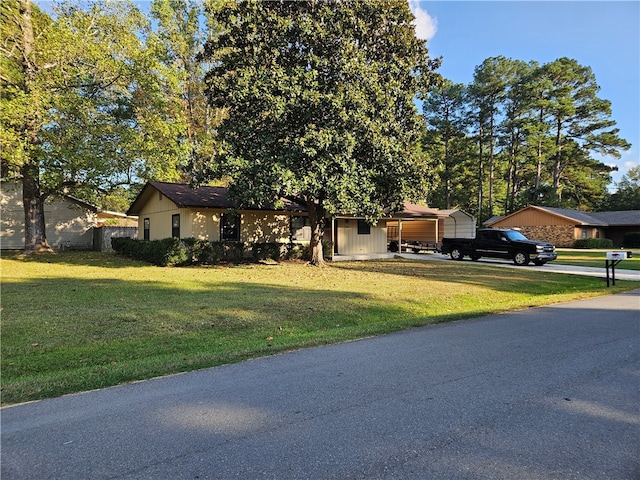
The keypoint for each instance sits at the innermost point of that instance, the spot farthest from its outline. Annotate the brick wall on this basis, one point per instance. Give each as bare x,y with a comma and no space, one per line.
558,235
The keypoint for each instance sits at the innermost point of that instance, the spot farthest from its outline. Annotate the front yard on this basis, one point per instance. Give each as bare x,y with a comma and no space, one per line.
596,258
77,321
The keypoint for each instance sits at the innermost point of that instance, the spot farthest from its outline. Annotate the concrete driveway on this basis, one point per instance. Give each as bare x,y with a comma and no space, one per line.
544,393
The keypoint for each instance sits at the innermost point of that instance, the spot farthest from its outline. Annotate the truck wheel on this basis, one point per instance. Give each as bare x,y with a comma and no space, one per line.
456,253
539,263
521,258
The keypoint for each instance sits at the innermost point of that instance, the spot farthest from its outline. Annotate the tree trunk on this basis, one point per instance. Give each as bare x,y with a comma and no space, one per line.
317,219
557,166
35,237
480,175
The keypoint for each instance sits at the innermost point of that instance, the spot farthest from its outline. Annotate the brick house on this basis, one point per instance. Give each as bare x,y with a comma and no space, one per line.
563,227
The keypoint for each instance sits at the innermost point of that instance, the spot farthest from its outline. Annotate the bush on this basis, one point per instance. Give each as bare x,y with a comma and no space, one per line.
168,251
631,239
174,251
203,251
594,243
266,251
233,251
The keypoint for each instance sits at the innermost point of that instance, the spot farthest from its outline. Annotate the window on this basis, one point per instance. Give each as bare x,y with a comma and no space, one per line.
300,228
585,232
230,227
175,225
364,228
147,226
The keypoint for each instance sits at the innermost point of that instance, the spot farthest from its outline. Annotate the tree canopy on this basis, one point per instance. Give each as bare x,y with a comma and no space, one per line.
319,105
535,135
83,109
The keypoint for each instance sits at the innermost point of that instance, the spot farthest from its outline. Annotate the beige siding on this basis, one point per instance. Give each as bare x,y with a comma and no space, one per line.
531,218
67,224
159,209
204,223
257,227
350,243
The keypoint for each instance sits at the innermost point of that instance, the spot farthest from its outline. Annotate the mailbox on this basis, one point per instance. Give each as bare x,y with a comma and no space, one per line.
618,255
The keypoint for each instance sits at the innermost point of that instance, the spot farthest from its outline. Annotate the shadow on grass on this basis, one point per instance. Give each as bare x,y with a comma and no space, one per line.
68,334
64,335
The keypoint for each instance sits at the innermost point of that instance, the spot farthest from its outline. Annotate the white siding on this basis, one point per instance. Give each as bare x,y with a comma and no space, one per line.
459,224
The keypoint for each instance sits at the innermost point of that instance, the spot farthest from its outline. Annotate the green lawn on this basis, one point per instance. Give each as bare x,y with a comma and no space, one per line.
596,258
77,321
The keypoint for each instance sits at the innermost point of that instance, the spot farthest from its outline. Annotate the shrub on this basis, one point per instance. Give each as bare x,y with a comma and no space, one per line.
594,243
203,251
233,251
266,251
168,251
631,239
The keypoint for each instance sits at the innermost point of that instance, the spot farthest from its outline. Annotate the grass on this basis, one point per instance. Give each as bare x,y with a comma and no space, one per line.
596,258
78,321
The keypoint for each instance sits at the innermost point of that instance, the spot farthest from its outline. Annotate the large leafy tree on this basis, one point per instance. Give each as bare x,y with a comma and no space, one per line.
178,38
319,101
80,104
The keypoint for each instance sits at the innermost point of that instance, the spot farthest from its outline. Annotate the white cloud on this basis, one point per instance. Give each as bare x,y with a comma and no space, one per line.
426,25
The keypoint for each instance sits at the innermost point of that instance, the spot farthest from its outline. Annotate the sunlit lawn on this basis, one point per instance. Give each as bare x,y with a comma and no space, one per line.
596,258
78,321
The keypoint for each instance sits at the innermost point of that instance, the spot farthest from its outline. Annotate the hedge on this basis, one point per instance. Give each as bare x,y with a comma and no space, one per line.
190,251
594,243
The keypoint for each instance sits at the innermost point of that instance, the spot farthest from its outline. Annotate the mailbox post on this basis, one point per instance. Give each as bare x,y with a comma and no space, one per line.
614,258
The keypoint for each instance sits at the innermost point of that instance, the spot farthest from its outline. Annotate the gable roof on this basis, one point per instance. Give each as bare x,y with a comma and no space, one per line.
10,186
601,219
185,196
583,218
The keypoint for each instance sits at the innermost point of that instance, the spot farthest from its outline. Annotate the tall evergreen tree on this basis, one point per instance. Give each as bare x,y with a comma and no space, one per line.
446,112
578,118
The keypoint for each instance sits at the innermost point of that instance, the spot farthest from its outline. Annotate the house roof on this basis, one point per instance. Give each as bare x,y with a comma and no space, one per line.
618,218
185,196
603,219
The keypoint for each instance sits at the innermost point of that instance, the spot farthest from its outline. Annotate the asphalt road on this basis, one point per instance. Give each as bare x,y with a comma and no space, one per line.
544,393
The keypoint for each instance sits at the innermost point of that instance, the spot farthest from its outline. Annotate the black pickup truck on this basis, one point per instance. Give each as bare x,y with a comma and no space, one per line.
495,243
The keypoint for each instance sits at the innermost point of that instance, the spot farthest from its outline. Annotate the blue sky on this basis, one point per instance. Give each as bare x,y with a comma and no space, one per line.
604,35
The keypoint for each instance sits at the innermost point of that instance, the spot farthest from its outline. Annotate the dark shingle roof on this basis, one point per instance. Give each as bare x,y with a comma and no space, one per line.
184,196
618,218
